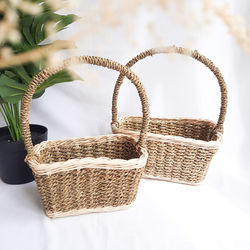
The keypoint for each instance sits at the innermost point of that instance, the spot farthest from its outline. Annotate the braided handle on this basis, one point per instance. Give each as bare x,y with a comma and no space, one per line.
179,50
46,73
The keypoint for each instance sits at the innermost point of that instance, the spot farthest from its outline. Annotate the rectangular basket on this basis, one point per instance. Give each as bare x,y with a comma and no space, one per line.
92,174
84,175
180,150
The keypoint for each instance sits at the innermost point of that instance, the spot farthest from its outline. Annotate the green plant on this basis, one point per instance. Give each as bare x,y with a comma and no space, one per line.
14,80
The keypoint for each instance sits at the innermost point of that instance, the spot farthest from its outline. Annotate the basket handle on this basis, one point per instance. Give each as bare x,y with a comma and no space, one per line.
46,73
194,54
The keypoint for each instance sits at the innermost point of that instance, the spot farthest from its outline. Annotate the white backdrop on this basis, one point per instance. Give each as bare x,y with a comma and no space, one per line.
214,215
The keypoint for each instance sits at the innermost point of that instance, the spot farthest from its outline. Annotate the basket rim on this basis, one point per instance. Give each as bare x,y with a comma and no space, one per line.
170,138
86,162
72,212
174,180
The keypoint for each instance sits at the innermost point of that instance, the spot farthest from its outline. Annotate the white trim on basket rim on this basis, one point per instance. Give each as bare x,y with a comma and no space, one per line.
87,162
175,180
170,138
87,210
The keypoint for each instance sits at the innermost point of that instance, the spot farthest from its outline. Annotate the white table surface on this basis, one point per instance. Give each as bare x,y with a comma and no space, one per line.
214,215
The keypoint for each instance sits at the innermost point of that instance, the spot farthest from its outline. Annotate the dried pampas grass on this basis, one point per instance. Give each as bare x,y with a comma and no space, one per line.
103,16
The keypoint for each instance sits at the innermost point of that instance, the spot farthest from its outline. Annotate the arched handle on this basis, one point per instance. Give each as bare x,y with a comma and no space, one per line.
46,73
194,54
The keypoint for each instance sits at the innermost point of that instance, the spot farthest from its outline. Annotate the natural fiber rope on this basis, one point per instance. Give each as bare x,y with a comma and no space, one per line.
100,162
183,51
46,73
173,139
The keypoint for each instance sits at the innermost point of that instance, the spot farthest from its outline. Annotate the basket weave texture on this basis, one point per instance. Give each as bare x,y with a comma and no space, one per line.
180,150
91,174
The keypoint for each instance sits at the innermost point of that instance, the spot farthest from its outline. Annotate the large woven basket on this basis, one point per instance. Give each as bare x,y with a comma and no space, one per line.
92,174
180,150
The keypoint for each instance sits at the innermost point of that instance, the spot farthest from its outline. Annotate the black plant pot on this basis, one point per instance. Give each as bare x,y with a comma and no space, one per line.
13,169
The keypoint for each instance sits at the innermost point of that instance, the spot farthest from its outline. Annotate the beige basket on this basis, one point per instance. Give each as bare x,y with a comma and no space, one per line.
92,174
180,150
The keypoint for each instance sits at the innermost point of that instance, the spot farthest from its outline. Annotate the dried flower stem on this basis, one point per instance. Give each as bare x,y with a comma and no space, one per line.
235,24
36,54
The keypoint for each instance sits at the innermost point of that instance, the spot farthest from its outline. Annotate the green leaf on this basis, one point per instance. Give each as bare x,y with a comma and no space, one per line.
59,77
34,25
32,68
26,23
26,20
1,100
14,80
38,94
10,90
39,28
8,82
10,95
27,35
64,20
22,47
11,75
22,73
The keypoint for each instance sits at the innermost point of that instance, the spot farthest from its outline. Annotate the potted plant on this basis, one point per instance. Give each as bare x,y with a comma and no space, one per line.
14,81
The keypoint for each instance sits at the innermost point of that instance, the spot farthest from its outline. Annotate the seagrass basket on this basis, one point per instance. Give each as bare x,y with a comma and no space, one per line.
180,150
82,175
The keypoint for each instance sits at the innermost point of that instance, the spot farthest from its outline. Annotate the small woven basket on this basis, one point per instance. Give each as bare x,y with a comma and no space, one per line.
92,174
180,150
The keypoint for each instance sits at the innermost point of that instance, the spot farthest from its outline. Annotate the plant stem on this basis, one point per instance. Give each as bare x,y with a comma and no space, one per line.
11,115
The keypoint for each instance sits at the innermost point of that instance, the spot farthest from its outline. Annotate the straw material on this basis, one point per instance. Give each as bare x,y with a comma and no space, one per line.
180,150
92,174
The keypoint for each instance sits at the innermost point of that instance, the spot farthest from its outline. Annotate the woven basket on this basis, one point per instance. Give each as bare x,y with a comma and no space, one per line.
180,150
92,174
